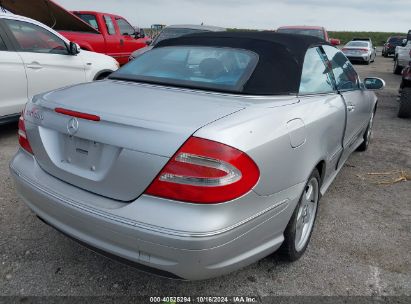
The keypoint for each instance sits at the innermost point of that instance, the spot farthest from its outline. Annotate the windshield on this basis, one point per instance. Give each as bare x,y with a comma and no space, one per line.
215,68
358,43
309,32
169,33
396,40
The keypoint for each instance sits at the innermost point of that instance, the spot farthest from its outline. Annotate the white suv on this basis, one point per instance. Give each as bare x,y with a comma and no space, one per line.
35,59
402,55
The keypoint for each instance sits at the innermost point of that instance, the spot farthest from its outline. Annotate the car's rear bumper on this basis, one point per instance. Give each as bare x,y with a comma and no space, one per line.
361,58
182,254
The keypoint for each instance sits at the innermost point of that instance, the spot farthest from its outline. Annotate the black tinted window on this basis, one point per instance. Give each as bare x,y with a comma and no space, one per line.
125,27
2,45
315,77
34,38
345,76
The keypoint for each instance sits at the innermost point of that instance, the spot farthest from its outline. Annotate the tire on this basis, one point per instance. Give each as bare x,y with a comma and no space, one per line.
298,232
397,69
367,135
405,103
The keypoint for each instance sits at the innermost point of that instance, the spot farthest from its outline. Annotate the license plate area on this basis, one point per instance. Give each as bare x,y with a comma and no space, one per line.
82,153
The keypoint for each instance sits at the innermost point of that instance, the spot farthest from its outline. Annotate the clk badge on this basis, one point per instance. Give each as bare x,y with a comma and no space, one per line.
72,126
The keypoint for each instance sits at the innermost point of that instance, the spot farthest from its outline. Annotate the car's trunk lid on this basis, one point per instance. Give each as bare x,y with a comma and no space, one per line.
140,128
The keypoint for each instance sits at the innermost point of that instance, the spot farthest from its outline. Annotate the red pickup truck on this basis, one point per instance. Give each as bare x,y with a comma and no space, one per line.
93,31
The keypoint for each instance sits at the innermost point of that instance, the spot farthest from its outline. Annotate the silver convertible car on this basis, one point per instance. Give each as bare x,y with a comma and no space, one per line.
199,157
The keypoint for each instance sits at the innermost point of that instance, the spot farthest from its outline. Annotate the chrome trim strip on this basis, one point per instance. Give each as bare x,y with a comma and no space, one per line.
136,224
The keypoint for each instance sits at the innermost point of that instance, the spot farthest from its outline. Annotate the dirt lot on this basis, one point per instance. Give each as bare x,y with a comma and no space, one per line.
361,243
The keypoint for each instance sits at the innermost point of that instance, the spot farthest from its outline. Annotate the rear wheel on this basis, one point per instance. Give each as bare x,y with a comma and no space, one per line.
405,103
297,235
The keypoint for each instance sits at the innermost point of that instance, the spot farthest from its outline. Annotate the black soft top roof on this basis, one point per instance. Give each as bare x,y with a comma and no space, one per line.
281,56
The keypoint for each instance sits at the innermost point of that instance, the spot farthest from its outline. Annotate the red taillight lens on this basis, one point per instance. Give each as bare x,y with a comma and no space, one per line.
23,141
363,50
206,172
344,49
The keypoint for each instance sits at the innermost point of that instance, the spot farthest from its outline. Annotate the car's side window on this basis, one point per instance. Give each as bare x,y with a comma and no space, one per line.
2,45
345,76
109,24
125,28
315,77
34,38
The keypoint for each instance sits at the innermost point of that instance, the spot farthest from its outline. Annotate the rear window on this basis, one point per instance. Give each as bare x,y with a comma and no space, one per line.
90,19
358,43
215,68
310,32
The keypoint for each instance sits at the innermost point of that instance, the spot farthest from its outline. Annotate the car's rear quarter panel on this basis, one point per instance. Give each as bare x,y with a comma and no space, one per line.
262,131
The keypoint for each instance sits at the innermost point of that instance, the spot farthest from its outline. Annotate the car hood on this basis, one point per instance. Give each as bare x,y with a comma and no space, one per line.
48,13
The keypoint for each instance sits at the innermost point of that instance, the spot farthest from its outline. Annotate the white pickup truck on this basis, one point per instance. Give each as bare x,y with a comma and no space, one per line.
402,55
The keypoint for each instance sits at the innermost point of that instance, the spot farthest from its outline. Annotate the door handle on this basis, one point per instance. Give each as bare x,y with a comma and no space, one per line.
350,108
34,66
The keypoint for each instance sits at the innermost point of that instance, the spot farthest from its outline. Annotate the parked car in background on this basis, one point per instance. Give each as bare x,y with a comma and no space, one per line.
174,31
35,59
360,50
404,110
94,31
316,31
214,154
402,55
391,44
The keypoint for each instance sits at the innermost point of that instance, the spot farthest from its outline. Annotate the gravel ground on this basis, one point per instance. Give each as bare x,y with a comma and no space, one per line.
361,244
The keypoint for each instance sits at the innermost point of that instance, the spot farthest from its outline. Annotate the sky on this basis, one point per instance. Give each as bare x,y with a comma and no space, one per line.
350,15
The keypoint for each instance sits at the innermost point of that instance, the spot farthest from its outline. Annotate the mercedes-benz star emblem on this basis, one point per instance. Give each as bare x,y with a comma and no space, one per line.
72,126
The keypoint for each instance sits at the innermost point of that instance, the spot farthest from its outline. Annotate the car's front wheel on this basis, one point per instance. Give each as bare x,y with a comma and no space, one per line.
405,103
300,227
367,135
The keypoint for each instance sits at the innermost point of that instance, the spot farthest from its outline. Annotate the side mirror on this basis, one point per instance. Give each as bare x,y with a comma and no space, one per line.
404,42
374,83
334,41
142,33
136,35
74,48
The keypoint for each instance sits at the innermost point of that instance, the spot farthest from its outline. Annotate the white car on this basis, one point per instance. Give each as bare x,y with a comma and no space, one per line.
402,56
360,50
35,59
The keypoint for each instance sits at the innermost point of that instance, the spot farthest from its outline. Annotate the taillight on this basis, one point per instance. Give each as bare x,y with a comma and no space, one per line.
364,50
206,172
23,141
